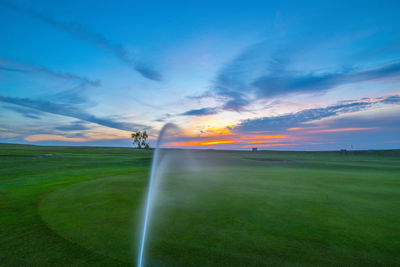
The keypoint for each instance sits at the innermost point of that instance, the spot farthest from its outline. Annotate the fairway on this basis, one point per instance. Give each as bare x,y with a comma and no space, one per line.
80,206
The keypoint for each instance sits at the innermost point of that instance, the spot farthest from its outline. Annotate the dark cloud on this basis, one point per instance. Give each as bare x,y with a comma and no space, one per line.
146,71
395,99
70,111
296,119
236,104
82,33
200,112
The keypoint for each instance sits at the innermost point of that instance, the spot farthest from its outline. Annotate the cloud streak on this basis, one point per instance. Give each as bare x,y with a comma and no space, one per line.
82,33
200,112
2,68
24,68
70,111
26,112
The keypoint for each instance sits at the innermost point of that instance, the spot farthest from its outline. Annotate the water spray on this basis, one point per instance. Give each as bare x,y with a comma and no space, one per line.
151,190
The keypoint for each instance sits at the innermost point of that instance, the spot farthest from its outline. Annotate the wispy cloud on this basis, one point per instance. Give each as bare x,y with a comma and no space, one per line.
75,126
200,112
82,33
7,65
73,95
70,111
2,68
24,111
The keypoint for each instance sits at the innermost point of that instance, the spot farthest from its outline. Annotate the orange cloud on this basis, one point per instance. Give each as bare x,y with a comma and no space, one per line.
52,137
218,131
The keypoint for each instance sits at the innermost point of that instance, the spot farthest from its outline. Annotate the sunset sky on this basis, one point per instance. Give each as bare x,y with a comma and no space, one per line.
231,74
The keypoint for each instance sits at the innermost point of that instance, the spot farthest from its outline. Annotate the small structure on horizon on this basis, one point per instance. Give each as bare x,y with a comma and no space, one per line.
254,149
343,151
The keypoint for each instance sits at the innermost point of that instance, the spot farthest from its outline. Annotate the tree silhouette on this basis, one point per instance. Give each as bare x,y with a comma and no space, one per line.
139,139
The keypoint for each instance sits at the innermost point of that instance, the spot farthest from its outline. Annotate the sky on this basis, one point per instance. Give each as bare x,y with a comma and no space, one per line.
280,75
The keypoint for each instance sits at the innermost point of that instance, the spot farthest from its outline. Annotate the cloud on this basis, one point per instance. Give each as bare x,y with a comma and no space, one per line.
25,68
75,126
394,99
82,33
287,82
200,112
262,71
70,111
145,71
296,119
336,130
53,137
87,137
12,69
71,96
26,112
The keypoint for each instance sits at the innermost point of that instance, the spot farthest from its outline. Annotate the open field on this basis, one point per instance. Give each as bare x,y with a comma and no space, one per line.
79,206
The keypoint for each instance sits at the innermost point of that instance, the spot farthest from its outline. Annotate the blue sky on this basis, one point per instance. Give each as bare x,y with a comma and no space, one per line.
231,74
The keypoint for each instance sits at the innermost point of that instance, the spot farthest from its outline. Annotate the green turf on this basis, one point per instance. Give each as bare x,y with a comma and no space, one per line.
79,206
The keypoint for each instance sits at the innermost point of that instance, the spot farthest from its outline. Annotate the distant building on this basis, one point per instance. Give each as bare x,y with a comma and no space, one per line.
343,150
254,149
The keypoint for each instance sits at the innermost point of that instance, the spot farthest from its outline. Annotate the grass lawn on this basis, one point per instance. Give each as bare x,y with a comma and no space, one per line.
80,206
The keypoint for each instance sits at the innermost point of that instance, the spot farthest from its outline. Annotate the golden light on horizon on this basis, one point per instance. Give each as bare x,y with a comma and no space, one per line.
269,145
261,141
202,143
270,136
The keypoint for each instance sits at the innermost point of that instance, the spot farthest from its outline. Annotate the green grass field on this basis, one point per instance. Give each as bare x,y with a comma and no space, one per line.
80,206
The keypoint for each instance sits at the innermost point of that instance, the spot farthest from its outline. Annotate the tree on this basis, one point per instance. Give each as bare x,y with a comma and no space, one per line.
139,139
